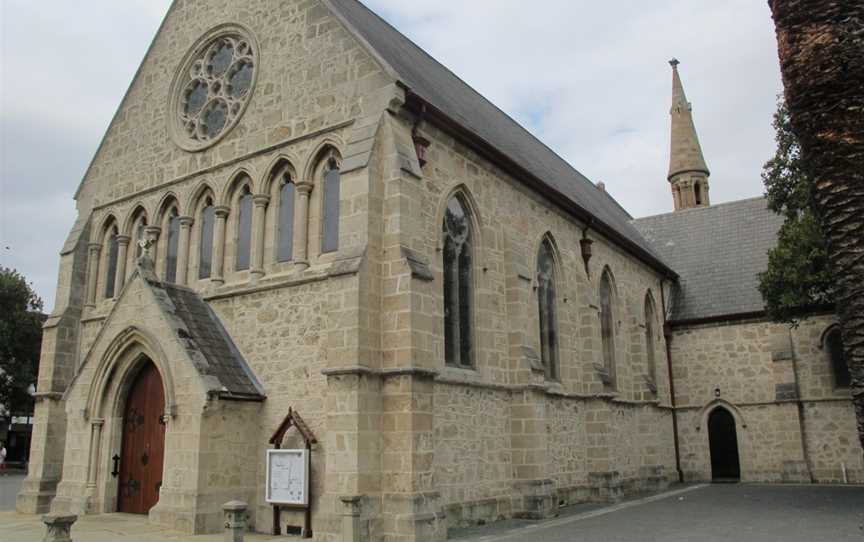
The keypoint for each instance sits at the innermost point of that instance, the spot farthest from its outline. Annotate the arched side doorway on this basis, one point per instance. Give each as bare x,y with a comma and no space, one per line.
723,440
143,443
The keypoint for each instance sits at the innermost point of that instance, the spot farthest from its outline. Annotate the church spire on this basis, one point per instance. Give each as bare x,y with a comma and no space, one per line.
688,173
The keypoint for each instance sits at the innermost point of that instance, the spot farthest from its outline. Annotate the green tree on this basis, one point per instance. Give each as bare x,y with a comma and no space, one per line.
20,341
798,278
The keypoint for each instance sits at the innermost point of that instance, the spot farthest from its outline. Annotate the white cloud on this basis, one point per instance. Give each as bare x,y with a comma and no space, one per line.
589,79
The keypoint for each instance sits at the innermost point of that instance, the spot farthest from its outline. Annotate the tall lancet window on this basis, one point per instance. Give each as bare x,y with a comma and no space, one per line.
244,229
285,229
111,261
546,304
697,187
650,359
607,327
834,341
330,228
171,252
205,245
458,287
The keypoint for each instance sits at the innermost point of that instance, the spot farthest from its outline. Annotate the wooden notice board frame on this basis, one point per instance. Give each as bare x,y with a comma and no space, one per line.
293,419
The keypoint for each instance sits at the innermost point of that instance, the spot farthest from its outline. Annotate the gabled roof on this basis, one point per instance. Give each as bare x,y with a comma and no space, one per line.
204,332
437,86
718,252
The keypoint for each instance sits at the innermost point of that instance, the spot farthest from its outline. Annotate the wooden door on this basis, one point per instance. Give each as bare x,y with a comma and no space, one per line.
143,447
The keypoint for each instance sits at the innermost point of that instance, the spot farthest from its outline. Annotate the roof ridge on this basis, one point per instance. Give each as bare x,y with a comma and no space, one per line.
698,209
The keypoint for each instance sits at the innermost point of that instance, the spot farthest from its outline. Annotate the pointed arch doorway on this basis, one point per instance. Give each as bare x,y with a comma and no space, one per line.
723,440
143,443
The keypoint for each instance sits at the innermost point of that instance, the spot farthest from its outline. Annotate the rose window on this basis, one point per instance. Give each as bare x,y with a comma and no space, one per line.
213,89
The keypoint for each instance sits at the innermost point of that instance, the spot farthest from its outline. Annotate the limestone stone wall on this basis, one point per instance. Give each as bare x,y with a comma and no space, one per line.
750,368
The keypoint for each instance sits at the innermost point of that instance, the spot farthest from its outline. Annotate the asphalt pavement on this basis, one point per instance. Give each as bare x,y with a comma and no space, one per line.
708,513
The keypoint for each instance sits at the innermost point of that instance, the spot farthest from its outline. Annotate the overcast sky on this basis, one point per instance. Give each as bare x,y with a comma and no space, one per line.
590,79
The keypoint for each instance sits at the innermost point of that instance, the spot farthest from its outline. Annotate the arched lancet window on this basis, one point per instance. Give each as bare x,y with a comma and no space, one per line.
205,239
458,286
697,188
650,348
244,229
546,290
112,248
330,224
834,343
173,239
607,325
285,226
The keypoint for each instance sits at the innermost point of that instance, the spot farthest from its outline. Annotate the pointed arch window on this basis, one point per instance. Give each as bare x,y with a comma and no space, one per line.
244,230
111,261
834,341
607,327
205,245
171,250
698,191
650,347
285,228
458,285
330,227
546,290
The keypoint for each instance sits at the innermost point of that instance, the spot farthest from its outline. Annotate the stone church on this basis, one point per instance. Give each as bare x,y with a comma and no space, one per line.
297,210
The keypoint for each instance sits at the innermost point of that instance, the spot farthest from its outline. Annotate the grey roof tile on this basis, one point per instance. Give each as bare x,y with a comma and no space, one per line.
718,252
205,331
438,86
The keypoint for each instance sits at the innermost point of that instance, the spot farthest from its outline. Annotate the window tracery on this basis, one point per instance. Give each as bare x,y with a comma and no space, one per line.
458,285
546,289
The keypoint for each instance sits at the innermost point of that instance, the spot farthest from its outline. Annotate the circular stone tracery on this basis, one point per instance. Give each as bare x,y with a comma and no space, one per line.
213,88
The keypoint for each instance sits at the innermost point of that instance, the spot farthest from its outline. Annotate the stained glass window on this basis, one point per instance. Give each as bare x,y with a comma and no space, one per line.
649,339
205,247
834,340
458,287
215,89
285,232
111,267
171,253
607,330
330,233
244,230
546,306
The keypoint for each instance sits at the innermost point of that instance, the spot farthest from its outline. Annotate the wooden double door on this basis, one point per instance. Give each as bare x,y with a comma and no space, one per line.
143,448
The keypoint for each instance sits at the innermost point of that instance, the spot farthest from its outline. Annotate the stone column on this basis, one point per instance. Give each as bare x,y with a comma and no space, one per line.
122,251
92,272
95,448
183,249
58,528
235,520
216,274
301,237
259,213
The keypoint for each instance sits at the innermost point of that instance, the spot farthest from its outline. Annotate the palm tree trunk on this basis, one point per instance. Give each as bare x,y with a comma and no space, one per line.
821,48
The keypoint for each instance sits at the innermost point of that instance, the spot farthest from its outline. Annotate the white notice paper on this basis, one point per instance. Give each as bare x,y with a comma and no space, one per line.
288,477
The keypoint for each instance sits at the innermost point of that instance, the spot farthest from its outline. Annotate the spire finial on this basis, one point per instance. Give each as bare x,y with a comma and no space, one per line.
674,63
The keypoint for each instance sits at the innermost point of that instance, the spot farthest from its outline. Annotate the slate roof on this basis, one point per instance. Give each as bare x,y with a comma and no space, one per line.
205,333
436,85
718,252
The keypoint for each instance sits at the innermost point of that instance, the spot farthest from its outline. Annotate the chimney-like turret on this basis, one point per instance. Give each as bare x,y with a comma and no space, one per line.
688,173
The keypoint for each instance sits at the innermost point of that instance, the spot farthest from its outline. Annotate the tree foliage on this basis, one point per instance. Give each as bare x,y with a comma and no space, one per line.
20,340
798,278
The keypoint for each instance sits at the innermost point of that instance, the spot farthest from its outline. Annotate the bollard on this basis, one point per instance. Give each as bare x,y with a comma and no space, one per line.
235,520
58,528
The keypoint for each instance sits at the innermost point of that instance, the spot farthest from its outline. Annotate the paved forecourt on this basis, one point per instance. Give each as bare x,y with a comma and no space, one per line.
708,513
